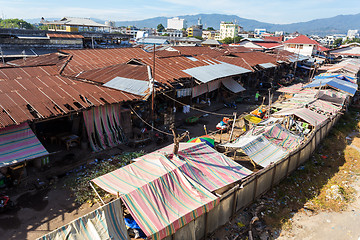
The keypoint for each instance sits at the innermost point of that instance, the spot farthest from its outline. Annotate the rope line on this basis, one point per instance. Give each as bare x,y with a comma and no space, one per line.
200,110
149,123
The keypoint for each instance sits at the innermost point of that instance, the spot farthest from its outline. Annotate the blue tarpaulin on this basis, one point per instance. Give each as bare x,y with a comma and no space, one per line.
341,85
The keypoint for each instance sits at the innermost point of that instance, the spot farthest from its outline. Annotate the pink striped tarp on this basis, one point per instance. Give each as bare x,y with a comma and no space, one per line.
208,167
103,126
19,143
158,195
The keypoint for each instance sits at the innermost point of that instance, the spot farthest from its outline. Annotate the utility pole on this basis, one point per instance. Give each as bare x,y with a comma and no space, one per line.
153,92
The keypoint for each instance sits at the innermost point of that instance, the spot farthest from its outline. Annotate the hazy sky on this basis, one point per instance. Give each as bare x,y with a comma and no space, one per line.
273,11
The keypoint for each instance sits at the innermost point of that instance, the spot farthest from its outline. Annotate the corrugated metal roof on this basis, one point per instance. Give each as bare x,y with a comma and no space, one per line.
133,86
103,75
31,93
211,72
42,60
267,65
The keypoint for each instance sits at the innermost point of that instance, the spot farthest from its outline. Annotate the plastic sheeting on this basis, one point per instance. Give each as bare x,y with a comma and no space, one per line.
158,195
307,115
232,85
103,126
106,222
19,143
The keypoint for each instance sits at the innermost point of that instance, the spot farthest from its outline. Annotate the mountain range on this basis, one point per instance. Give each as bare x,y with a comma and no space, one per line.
324,26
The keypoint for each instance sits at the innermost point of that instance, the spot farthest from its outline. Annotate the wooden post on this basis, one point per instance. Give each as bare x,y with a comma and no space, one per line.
97,193
177,139
233,125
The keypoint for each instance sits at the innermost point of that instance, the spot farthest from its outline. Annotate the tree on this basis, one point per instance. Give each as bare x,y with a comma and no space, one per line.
337,42
198,37
43,27
210,29
15,23
230,40
160,28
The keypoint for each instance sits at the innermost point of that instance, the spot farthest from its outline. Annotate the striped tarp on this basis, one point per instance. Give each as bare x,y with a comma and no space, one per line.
103,126
106,222
281,137
158,195
19,143
307,115
215,169
263,152
324,107
145,169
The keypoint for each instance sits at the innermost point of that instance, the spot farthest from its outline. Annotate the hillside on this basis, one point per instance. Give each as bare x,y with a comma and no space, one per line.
337,24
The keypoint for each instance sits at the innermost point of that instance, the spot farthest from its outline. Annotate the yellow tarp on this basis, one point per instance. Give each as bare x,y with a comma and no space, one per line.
253,119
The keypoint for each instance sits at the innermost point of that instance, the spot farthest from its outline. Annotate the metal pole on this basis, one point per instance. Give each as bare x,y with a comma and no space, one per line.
97,193
153,92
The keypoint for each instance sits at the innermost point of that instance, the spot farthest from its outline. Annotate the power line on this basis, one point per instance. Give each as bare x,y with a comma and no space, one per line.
148,124
197,109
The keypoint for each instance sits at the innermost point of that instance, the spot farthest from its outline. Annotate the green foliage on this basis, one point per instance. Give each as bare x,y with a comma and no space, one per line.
337,42
198,37
43,27
78,182
230,40
210,29
160,28
15,23
166,34
354,40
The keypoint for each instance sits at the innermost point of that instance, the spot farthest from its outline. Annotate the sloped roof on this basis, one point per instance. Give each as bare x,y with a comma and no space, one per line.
31,93
276,39
210,42
87,22
302,39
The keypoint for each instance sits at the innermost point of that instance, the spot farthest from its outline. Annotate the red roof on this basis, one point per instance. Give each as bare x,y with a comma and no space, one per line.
268,45
275,39
58,35
322,49
302,39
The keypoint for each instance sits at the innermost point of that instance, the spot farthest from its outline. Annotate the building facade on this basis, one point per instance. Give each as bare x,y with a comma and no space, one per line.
227,29
176,23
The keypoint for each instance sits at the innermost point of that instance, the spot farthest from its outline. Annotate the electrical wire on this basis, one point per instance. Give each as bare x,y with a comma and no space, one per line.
200,110
148,124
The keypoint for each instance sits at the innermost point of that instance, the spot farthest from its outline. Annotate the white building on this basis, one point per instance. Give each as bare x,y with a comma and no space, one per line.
301,45
176,23
351,34
259,31
227,29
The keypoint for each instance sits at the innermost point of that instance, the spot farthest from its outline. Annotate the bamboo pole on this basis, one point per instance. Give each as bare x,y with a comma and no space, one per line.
97,193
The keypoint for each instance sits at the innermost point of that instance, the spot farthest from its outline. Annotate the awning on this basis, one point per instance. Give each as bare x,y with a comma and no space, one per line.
106,222
133,86
214,71
158,195
19,143
307,115
232,85
211,169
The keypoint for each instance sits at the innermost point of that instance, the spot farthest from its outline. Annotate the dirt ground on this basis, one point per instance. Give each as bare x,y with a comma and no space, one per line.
327,225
